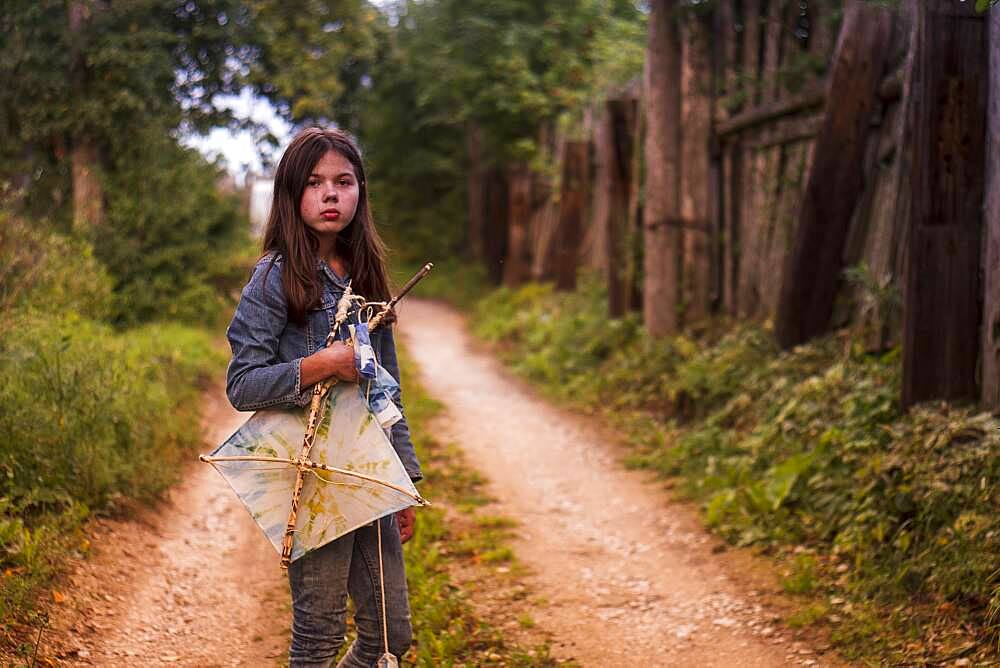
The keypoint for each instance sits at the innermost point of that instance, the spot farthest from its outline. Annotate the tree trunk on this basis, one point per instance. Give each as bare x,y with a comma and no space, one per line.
88,192
949,99
476,186
517,263
813,274
572,209
991,270
495,233
545,210
662,223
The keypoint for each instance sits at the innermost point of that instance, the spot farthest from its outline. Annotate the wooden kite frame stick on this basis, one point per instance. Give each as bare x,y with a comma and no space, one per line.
305,463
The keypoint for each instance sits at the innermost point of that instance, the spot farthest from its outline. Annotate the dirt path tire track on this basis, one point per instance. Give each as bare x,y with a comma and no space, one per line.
188,582
631,579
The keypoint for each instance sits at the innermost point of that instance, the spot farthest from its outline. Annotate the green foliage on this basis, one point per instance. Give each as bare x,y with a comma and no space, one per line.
452,280
787,449
174,235
90,416
502,69
123,82
49,272
309,54
130,67
93,414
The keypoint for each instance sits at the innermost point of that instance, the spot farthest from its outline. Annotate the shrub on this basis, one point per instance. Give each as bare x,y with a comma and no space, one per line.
801,449
88,415
41,269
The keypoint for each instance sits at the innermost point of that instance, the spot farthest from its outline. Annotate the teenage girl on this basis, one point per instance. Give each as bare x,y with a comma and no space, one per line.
319,235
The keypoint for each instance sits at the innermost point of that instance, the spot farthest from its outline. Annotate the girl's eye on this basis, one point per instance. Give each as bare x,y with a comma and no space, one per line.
345,182
313,183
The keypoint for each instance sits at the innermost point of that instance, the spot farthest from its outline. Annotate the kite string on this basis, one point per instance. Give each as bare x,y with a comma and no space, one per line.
381,584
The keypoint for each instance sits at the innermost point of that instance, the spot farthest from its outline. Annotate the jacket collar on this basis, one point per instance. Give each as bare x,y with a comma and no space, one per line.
331,274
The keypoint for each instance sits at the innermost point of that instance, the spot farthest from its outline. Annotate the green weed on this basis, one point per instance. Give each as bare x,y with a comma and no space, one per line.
92,415
807,447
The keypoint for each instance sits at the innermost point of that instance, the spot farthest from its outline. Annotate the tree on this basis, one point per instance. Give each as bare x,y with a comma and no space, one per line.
94,95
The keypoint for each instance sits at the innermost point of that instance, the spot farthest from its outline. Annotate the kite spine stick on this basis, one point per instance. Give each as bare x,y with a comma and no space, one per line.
377,319
315,417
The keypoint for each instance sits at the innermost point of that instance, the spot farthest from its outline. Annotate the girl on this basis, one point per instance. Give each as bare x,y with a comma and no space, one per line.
319,233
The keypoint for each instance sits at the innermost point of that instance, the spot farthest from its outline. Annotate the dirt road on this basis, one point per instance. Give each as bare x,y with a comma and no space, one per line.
189,582
631,579
628,577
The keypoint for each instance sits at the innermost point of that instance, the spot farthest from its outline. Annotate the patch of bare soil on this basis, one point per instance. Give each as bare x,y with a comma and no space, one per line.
188,582
623,575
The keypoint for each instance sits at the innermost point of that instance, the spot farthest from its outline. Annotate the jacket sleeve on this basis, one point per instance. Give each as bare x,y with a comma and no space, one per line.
400,433
256,377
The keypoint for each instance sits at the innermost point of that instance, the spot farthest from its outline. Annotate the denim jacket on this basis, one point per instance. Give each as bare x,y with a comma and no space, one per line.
265,369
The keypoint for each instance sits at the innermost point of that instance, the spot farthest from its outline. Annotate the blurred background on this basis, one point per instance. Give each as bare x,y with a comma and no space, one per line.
771,225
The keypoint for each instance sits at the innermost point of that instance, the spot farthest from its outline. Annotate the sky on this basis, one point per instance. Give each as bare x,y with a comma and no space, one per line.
238,149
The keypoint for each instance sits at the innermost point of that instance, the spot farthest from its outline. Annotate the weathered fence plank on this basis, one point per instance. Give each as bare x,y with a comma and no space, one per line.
813,274
991,270
730,168
615,149
878,315
662,224
696,117
573,191
517,263
750,218
948,101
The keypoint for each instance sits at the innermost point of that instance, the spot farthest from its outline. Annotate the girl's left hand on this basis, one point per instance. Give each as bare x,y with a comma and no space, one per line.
406,519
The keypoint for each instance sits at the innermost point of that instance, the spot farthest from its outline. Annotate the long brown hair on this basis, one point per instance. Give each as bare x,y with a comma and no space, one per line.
287,237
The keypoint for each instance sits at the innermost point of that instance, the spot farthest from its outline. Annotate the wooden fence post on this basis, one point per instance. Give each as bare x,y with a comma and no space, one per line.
941,310
517,263
616,157
696,115
991,269
662,224
813,273
565,250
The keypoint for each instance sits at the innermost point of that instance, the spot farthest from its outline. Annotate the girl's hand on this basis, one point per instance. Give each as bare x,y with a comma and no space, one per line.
333,361
406,520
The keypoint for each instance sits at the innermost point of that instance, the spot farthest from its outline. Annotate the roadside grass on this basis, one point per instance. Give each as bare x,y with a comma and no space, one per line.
447,631
451,280
92,417
884,520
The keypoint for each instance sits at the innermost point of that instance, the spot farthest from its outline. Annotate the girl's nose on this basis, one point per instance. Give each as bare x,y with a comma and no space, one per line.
330,195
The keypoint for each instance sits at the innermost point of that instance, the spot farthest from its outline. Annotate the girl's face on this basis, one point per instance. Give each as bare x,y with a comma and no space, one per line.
331,195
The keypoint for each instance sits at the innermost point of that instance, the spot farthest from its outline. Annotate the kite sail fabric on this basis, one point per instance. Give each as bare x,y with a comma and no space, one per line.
353,473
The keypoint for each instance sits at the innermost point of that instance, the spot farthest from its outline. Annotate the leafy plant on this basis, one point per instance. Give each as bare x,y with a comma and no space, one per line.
806,448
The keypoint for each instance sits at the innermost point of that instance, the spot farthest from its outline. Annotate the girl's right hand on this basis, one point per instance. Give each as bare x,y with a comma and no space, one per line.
333,361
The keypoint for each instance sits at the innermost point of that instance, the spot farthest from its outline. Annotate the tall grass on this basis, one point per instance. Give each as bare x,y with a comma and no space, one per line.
803,450
88,416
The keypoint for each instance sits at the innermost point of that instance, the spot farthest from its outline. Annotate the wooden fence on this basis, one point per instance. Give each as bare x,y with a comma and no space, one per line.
808,163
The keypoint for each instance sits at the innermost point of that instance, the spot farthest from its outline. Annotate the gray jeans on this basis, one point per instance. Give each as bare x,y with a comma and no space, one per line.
321,581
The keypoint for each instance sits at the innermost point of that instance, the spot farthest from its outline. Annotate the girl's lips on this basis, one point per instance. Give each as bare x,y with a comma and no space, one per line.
331,215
